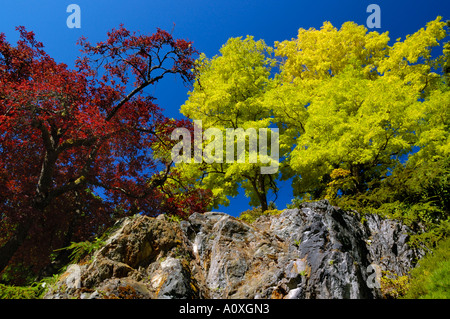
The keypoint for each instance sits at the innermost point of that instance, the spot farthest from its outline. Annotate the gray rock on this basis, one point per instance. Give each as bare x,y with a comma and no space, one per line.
316,251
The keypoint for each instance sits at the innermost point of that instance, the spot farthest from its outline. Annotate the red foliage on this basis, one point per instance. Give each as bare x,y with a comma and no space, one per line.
66,133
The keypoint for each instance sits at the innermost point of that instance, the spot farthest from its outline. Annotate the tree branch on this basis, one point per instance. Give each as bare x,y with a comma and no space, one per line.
156,182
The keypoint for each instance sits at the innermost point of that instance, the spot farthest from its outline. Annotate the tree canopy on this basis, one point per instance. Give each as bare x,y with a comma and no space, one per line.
360,105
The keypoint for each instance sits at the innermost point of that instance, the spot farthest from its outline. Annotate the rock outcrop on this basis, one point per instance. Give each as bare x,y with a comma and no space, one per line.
316,251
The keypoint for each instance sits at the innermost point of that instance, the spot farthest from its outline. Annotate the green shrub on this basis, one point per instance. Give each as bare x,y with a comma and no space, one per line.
14,292
174,219
34,291
393,286
431,278
417,194
253,214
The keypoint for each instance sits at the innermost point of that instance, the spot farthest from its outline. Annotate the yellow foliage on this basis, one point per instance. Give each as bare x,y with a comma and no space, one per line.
344,98
350,100
319,54
393,286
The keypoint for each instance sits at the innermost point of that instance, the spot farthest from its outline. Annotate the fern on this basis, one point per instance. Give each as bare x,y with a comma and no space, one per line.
82,249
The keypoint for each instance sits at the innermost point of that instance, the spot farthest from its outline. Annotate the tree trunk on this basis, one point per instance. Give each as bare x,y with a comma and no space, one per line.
8,250
359,180
258,187
263,200
262,193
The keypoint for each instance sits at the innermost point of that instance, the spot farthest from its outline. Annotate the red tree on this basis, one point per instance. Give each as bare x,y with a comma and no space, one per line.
65,133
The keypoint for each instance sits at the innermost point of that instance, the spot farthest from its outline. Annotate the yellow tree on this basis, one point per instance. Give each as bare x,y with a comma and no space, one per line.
228,99
348,100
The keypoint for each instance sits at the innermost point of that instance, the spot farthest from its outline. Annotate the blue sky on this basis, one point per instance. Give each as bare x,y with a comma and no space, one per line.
208,24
